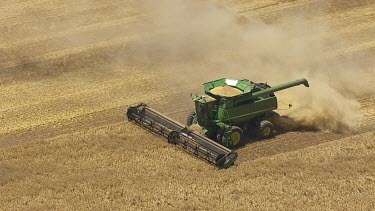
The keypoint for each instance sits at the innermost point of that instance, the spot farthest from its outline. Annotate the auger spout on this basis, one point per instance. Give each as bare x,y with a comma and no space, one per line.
280,87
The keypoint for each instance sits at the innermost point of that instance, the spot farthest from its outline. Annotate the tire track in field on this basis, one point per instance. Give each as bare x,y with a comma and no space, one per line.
72,39
47,8
45,21
10,11
66,60
12,2
54,37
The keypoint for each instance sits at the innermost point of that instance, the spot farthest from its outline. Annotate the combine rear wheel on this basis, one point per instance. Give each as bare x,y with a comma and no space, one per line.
265,129
192,119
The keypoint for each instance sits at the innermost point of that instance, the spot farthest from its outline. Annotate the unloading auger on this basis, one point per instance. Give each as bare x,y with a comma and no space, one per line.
178,134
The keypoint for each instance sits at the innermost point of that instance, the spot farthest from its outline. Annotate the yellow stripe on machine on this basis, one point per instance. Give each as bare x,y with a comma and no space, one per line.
251,113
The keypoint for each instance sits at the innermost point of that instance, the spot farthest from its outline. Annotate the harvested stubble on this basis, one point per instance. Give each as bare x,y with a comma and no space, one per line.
64,143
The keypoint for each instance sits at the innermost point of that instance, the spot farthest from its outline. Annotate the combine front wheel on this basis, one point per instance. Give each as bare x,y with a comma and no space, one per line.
236,138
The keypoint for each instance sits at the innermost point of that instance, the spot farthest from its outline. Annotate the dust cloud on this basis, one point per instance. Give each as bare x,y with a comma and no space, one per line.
202,40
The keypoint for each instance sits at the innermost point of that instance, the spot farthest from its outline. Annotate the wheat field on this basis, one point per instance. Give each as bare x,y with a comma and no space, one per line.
70,69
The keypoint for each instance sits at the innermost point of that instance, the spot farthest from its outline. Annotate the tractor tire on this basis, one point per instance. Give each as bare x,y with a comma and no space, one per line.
236,138
220,135
192,119
265,129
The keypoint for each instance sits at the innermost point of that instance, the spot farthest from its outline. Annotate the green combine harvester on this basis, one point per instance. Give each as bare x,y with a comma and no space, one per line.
223,114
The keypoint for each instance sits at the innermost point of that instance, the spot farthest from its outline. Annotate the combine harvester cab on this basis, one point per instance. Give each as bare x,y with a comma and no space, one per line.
178,134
